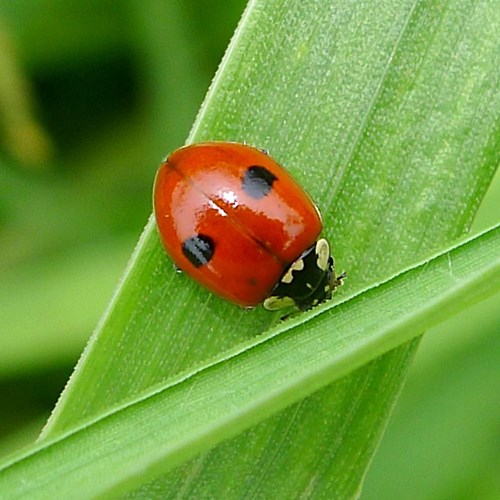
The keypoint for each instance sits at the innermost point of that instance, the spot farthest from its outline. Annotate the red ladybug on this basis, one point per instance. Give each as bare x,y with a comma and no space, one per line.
236,222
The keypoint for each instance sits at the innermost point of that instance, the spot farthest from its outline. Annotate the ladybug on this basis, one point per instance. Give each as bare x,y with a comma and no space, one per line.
235,221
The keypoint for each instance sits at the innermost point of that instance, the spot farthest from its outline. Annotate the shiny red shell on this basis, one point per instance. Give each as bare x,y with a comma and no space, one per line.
200,190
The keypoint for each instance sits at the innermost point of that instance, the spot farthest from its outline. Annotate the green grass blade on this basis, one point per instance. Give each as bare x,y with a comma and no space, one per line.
247,385
450,401
387,113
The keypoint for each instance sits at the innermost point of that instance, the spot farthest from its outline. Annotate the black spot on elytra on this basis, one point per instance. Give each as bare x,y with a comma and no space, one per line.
258,181
252,282
199,249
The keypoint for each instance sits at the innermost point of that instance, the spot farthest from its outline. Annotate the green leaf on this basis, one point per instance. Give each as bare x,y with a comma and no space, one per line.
387,112
450,402
250,383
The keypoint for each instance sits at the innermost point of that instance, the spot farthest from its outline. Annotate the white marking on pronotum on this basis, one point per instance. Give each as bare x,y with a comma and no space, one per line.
323,253
298,265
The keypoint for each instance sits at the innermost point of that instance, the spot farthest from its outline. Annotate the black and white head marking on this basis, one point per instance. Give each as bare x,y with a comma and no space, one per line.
308,281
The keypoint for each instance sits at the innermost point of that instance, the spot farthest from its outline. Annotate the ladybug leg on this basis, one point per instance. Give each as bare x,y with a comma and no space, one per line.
339,280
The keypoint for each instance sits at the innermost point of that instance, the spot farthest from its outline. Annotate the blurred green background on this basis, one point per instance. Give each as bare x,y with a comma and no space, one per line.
92,96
